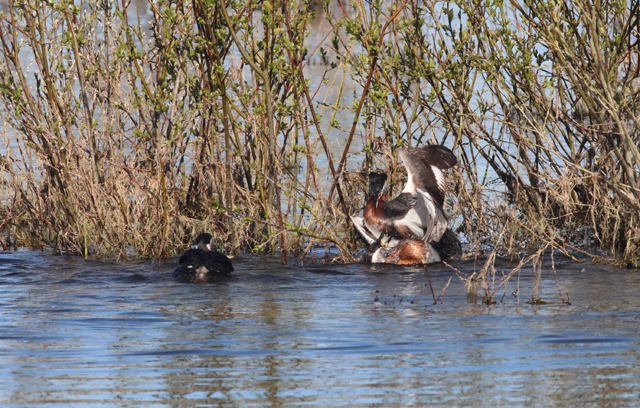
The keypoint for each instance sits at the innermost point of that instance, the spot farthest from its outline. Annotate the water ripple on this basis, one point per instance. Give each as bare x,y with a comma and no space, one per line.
90,333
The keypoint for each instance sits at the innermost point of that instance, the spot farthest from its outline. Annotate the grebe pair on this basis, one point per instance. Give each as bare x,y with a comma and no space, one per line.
201,263
413,227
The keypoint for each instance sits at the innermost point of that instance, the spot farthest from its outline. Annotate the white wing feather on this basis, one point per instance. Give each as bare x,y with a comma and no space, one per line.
439,177
366,234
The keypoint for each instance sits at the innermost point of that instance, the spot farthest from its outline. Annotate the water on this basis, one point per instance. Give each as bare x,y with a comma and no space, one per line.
77,333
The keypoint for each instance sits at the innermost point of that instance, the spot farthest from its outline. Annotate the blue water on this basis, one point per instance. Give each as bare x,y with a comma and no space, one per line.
90,333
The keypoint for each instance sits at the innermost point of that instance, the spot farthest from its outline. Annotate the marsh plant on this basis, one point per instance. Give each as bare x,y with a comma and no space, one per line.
128,133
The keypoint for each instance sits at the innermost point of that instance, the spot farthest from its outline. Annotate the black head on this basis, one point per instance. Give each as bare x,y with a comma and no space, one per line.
203,241
377,184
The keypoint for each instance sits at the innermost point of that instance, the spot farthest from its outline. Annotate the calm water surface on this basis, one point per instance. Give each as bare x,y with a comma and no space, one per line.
91,333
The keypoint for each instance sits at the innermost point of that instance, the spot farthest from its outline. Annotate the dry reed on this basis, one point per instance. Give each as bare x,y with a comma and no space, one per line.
130,133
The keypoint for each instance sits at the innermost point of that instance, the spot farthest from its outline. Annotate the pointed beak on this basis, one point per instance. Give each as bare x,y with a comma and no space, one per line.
377,197
382,193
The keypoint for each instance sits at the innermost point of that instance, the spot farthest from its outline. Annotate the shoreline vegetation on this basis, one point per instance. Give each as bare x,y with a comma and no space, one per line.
126,136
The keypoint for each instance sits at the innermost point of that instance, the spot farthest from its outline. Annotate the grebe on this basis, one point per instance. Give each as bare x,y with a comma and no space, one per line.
201,263
409,229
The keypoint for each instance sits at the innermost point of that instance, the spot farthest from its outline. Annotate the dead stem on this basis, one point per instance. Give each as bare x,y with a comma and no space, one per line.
426,270
131,135
442,292
555,275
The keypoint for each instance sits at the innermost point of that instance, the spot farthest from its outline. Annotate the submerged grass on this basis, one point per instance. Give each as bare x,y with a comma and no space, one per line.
127,133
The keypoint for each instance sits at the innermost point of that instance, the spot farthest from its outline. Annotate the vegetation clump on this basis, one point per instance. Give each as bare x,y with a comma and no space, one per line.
131,126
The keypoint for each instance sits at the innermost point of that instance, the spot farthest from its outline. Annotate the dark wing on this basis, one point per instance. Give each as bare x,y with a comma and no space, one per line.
399,206
216,263
424,167
192,258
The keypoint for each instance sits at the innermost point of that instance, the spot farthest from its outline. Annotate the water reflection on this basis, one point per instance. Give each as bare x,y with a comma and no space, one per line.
77,332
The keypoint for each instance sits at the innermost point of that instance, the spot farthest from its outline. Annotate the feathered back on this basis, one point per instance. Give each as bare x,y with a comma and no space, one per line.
214,261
